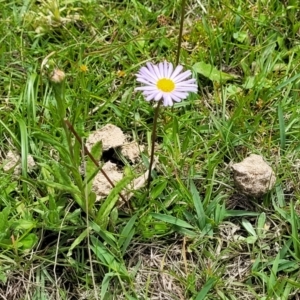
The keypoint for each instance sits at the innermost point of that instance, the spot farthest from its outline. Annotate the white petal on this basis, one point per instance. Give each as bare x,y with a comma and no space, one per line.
145,88
176,71
190,81
181,95
166,68
186,89
183,84
141,79
193,86
170,70
167,100
161,69
175,98
182,76
158,96
150,96
152,70
149,81
157,72
146,73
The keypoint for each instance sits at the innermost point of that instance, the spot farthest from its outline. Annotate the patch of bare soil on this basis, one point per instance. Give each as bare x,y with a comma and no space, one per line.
113,138
178,270
12,163
160,268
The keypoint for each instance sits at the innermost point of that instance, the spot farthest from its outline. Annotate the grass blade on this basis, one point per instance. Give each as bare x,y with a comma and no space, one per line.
111,200
172,220
206,288
295,230
281,126
198,205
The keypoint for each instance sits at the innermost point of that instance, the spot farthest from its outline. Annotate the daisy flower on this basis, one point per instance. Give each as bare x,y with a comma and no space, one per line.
162,81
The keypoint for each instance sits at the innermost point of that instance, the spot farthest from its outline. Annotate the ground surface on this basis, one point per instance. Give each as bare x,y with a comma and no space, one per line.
195,236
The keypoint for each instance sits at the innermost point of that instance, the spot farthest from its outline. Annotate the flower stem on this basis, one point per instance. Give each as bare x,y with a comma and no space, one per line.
180,32
88,153
153,138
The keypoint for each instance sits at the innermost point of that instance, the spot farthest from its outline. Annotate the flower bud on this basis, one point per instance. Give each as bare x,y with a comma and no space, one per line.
57,76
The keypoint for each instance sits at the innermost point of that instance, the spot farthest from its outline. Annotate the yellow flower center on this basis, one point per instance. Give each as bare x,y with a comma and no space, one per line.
83,68
166,85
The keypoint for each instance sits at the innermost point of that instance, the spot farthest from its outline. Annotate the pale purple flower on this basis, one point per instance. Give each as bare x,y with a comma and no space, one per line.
161,81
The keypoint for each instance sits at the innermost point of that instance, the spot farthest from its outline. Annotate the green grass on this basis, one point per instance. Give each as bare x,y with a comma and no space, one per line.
195,236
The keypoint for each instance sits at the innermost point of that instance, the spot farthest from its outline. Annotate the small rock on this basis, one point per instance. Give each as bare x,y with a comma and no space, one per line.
101,186
110,135
132,151
253,176
13,162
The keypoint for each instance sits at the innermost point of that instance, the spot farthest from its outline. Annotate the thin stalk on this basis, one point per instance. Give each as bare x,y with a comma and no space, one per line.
153,138
59,93
180,32
88,153
86,192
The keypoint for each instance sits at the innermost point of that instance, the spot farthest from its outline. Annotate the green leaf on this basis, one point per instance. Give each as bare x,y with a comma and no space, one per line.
24,152
59,146
248,226
3,276
78,240
172,220
198,205
107,258
5,243
11,134
111,200
249,82
91,168
127,234
91,199
24,225
295,230
24,146
261,225
240,36
273,280
53,215
113,218
4,219
251,239
212,73
158,189
287,82
206,288
61,187
187,232
4,222
220,213
29,241
288,266
281,126
107,236
240,213
105,284
280,197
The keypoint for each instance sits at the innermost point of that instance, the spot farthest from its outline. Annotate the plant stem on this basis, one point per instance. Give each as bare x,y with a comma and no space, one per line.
59,93
180,32
153,138
88,153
